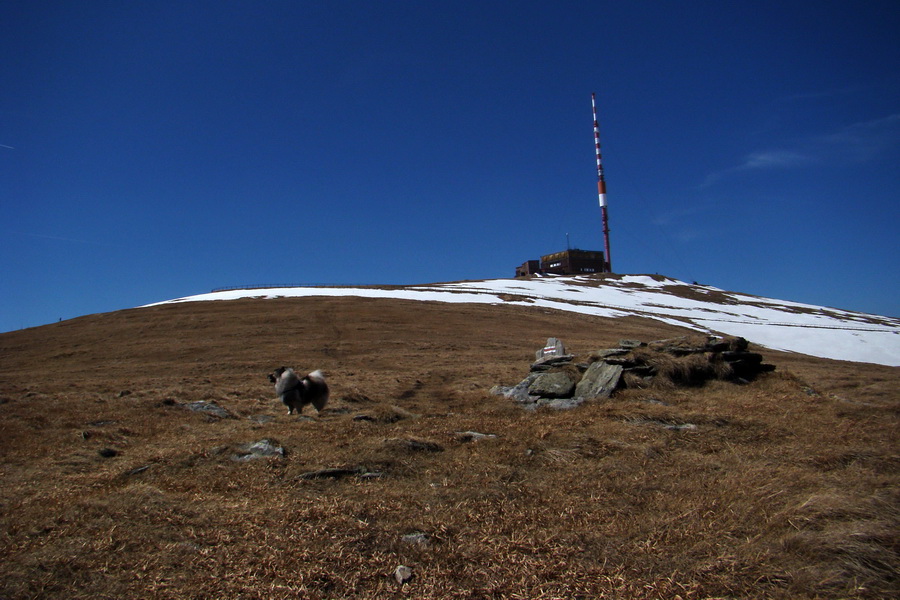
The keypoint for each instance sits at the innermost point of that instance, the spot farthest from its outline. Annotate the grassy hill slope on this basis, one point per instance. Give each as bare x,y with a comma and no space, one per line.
783,488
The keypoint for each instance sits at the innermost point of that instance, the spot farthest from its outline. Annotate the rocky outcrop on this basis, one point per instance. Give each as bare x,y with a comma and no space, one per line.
561,380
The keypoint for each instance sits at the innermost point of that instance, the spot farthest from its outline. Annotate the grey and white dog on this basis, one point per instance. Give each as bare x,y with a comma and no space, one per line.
297,392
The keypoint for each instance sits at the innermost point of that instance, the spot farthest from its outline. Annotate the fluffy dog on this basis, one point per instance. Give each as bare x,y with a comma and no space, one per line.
296,392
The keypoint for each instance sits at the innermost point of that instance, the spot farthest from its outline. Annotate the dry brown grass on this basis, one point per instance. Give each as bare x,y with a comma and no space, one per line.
786,487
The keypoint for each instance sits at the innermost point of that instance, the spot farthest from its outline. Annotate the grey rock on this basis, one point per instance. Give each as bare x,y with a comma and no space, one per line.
419,539
559,403
552,385
599,381
681,427
474,436
546,362
403,574
630,344
519,392
553,347
261,419
208,408
603,354
260,449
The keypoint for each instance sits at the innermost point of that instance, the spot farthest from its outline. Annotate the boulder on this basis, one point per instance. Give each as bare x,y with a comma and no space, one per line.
558,384
599,381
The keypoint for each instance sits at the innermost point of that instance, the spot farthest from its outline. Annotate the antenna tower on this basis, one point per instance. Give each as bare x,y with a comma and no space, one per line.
601,187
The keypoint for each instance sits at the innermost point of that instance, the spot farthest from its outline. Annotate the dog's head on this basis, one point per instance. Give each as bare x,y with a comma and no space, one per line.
273,376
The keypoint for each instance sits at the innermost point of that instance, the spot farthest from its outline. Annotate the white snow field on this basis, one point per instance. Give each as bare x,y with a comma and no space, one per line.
776,324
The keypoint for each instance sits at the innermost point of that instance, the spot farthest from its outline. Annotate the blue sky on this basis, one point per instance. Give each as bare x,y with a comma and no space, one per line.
152,150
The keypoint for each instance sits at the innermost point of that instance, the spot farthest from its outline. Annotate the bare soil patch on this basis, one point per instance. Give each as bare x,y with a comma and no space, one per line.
786,487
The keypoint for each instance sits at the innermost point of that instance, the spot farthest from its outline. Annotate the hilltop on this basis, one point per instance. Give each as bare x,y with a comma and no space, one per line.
783,487
778,324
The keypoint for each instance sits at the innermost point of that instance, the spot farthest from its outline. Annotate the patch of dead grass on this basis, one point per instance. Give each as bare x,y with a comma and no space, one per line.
775,493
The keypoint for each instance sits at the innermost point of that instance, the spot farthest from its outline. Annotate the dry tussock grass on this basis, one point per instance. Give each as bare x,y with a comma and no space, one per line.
782,488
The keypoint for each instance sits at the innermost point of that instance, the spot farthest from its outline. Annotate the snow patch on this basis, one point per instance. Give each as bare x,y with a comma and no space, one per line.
777,324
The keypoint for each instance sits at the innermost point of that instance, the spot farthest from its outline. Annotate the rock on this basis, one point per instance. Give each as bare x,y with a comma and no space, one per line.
519,392
552,385
474,436
261,449
630,344
599,381
208,408
545,363
553,347
108,452
559,403
137,471
419,539
261,419
604,354
403,574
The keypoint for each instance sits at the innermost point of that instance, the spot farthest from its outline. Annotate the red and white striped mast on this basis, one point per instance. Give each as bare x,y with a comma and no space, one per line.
601,187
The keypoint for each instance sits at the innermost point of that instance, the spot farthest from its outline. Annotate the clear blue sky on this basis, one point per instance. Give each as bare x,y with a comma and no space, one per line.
156,149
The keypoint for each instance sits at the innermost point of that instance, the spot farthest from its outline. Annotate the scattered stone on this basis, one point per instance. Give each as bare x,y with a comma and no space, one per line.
208,408
261,419
558,403
137,470
419,539
403,574
664,424
474,436
600,380
681,427
124,393
557,384
108,452
262,449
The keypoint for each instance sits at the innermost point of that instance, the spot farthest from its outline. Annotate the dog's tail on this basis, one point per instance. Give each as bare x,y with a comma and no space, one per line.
318,389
